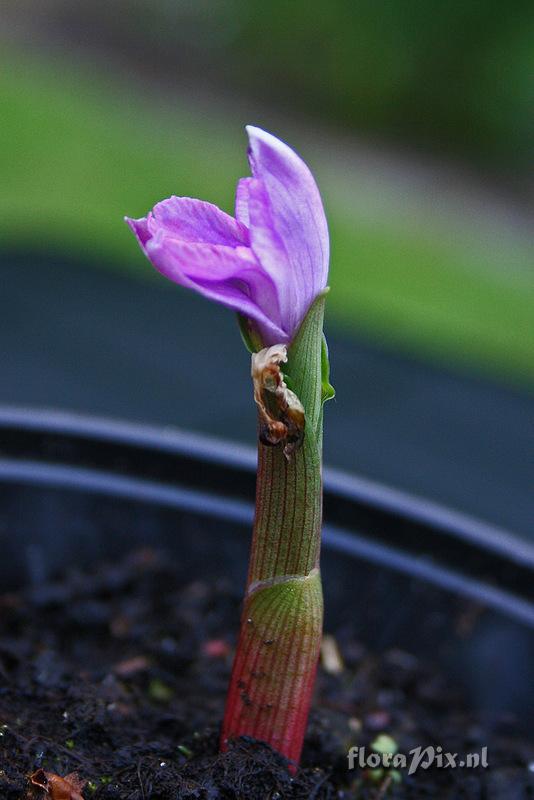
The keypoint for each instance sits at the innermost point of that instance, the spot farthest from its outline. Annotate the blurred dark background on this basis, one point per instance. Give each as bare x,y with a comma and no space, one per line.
453,77
416,119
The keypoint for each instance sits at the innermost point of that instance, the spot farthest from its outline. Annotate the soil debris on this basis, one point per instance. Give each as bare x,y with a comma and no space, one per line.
138,714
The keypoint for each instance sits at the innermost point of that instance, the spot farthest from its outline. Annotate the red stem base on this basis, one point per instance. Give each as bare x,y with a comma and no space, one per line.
274,669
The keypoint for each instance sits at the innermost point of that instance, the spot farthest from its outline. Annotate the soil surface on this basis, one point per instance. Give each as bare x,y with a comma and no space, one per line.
119,675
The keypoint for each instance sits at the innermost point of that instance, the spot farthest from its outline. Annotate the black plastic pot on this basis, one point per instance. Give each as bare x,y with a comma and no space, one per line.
404,572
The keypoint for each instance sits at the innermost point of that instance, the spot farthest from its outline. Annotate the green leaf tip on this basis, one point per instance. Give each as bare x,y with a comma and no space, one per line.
327,390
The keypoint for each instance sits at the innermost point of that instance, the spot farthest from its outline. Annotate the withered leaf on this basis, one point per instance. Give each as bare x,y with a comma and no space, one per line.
281,414
56,787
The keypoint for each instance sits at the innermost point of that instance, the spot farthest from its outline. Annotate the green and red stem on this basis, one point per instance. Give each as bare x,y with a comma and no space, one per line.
281,627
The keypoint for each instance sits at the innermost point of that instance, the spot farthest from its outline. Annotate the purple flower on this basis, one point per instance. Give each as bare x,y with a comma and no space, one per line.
268,263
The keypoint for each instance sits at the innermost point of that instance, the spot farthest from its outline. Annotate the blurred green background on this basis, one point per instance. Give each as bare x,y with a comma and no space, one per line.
414,116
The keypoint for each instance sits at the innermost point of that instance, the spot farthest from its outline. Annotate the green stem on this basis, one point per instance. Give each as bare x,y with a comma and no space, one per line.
274,668
287,526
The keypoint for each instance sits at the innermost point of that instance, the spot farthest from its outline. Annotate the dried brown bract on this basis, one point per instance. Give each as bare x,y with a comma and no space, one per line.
57,788
281,413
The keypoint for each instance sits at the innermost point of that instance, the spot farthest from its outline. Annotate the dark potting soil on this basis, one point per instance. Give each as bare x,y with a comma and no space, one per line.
119,674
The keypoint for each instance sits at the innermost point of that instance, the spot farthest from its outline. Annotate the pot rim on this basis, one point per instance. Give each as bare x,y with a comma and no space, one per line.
458,535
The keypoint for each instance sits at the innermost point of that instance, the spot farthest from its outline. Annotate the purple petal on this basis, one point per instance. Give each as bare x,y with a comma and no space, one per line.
241,201
231,276
196,221
267,245
296,208
140,228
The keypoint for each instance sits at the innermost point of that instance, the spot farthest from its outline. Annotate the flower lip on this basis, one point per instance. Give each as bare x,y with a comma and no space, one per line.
268,263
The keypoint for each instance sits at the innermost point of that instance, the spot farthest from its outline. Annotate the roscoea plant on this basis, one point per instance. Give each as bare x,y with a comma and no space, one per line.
269,263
